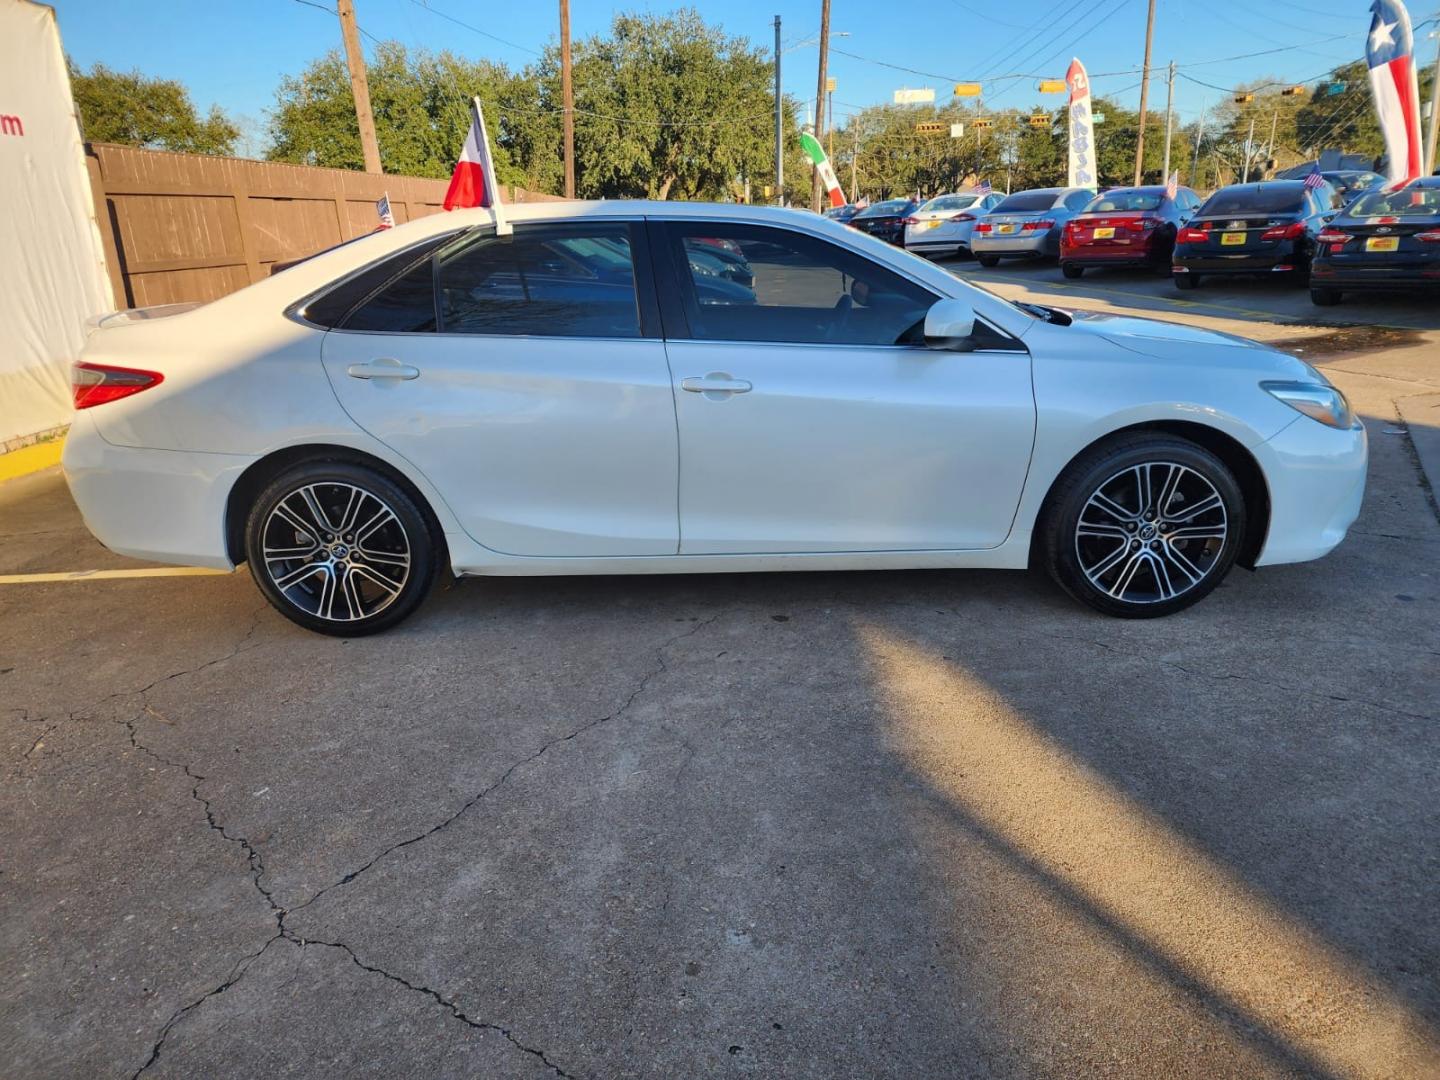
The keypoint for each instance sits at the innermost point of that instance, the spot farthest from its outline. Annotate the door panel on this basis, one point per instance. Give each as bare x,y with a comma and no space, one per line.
850,448
551,446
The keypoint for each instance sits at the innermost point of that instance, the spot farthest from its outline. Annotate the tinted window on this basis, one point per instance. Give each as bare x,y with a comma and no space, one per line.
949,202
331,308
1121,201
889,208
1027,200
1410,202
549,280
406,305
1077,200
751,283
1261,200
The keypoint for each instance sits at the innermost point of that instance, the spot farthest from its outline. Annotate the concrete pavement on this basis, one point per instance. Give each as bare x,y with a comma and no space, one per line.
809,825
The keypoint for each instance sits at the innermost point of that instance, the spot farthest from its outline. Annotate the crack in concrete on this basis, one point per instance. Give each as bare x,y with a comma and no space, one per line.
660,668
439,998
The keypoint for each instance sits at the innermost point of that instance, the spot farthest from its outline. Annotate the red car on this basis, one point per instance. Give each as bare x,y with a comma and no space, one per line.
1132,226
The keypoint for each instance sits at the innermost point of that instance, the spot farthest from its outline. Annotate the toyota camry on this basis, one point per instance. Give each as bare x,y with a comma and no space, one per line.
627,388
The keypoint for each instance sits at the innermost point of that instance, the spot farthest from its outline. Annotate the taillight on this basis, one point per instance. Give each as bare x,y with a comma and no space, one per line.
1430,236
95,384
1144,224
983,226
1293,231
911,221
1036,226
1329,236
1190,235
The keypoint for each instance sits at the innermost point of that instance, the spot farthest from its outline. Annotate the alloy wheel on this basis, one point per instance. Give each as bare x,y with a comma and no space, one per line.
1151,532
336,551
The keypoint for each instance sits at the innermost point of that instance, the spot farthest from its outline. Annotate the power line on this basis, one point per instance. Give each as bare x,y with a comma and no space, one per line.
467,26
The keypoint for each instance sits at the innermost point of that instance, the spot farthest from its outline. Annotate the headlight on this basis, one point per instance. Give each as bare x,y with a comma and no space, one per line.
1317,401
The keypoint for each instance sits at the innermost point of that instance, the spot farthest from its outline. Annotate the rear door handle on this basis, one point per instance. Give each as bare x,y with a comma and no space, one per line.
383,368
717,382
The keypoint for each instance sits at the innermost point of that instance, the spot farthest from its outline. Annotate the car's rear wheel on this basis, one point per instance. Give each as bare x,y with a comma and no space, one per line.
1142,526
1185,281
340,549
988,260
1070,270
1325,297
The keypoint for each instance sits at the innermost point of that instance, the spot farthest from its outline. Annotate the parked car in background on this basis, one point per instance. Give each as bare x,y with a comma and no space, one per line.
592,395
843,214
1383,240
1265,228
1133,226
943,225
885,219
1352,183
1027,224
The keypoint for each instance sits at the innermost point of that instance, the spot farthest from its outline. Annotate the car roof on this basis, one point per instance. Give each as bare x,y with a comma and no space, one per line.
1263,185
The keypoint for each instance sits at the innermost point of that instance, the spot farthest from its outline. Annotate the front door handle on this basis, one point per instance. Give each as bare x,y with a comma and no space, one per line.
717,382
383,368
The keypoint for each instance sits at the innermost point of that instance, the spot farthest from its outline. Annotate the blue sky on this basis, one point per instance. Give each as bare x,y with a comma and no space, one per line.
233,54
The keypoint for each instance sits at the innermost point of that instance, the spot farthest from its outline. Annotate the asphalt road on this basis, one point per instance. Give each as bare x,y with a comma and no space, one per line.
806,825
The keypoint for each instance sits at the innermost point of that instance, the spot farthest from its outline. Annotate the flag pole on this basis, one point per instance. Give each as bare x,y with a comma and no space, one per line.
492,185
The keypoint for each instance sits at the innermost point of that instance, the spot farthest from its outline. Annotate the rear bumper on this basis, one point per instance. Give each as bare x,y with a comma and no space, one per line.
1258,262
1087,256
1329,275
1018,244
935,247
162,505
1317,482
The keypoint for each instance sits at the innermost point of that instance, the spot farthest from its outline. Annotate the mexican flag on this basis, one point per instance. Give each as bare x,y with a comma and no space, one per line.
816,153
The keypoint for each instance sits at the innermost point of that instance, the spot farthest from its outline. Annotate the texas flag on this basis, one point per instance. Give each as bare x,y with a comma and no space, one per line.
473,182
1389,51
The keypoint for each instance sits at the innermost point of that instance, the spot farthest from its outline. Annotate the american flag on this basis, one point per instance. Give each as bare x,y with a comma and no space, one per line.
983,187
382,207
1172,185
1313,179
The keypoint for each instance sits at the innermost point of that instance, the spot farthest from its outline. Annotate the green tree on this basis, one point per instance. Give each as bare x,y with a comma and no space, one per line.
131,108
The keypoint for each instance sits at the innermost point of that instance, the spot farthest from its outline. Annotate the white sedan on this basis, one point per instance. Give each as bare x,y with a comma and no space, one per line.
642,388
943,225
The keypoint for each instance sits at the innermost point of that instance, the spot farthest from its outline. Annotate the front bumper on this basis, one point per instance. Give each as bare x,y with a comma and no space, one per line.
162,505
1316,476
1031,245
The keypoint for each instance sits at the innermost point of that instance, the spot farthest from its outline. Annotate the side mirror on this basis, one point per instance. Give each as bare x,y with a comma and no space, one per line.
949,324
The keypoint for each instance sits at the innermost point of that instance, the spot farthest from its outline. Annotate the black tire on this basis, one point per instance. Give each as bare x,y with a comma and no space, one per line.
1071,271
1325,297
988,260
1185,281
373,573
1155,561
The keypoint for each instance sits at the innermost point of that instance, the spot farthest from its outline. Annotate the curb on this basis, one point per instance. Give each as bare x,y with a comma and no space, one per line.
30,459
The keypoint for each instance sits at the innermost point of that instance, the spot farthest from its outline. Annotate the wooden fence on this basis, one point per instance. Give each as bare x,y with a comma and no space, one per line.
180,227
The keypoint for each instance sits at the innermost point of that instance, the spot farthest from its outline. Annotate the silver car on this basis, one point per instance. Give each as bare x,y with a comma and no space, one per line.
943,225
1027,224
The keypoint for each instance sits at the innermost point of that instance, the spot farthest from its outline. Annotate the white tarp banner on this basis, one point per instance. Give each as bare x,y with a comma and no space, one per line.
52,273
1082,132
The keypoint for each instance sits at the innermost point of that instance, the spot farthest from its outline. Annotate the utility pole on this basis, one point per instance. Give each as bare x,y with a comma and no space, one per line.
1274,126
820,98
359,85
1169,118
779,126
567,92
1249,152
1434,111
1144,91
1195,164
855,162
830,112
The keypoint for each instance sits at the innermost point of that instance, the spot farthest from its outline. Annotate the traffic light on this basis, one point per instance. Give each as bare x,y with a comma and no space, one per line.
1292,91
1244,99
934,127
967,89
981,125
1040,120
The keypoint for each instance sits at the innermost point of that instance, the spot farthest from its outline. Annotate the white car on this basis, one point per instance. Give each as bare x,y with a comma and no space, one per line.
643,388
943,225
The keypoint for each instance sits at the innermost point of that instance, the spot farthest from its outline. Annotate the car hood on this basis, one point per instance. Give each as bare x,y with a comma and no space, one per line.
1177,342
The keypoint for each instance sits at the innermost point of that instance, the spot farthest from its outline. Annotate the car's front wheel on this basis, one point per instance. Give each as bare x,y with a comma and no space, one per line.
1145,525
340,549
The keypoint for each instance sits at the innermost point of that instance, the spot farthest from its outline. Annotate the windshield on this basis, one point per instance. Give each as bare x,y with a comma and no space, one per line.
1122,200
949,202
1026,200
885,209
1258,200
1412,202
1354,181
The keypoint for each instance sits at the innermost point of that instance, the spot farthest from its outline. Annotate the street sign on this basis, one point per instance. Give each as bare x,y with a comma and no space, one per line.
915,97
957,131
1097,118
1336,88
1051,86
931,127
967,89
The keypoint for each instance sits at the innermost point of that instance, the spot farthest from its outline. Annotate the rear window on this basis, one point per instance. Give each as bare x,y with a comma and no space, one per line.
1121,201
1026,200
1412,202
885,209
1261,200
950,202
